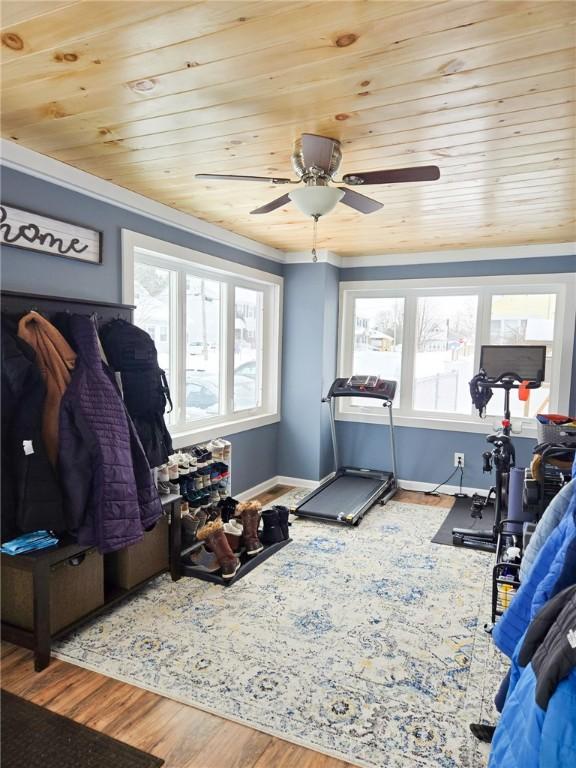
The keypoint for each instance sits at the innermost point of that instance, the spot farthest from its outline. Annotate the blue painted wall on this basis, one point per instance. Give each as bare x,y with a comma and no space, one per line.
422,455
531,266
427,455
308,362
329,360
254,451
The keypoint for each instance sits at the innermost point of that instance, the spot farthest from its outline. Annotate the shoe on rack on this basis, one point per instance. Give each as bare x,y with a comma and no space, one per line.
163,474
234,531
213,512
194,500
183,464
190,525
173,469
203,560
283,515
184,508
249,511
199,453
271,530
228,506
163,487
213,534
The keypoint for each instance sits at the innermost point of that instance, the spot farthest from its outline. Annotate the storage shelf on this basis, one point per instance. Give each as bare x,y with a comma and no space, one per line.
248,565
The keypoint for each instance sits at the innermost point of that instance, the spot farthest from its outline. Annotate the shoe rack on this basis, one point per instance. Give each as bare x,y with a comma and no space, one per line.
247,564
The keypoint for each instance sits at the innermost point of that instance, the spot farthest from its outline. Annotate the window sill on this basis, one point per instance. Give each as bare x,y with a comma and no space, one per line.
446,425
191,436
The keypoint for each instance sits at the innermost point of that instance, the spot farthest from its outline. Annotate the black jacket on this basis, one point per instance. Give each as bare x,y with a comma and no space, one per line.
31,497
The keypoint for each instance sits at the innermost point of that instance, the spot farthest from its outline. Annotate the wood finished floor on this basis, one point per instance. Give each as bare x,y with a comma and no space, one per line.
185,737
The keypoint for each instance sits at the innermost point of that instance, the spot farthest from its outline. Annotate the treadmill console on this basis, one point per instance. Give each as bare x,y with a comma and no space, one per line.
363,386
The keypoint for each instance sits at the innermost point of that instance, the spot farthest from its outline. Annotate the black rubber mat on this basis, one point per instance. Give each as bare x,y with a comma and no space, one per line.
460,517
34,736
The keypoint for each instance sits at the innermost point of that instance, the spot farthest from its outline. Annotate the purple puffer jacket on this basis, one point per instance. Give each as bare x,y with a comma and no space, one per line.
109,493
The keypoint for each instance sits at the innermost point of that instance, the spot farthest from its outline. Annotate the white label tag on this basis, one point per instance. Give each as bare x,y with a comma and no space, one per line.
28,447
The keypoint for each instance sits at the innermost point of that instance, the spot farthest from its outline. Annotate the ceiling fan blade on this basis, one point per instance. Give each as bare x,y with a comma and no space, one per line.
230,177
360,202
278,203
317,151
420,173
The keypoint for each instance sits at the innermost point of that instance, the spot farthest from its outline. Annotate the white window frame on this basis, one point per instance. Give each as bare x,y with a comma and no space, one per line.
563,285
182,261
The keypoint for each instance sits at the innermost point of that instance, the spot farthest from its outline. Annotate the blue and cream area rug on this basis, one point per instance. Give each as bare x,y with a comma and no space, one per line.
364,643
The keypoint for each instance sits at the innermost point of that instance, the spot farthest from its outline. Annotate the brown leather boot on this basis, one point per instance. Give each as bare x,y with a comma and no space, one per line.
250,513
213,534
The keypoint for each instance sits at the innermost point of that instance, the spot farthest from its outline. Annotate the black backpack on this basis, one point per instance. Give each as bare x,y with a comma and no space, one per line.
132,353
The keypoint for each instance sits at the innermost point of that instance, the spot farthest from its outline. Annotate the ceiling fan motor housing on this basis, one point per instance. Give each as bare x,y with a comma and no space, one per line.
314,174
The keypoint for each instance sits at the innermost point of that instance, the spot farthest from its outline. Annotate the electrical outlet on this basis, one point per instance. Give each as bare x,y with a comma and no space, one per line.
459,459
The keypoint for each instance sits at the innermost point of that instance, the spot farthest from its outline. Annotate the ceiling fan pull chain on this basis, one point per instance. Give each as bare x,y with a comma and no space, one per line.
314,239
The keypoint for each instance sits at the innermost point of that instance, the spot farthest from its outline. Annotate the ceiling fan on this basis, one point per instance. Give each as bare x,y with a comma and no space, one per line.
315,161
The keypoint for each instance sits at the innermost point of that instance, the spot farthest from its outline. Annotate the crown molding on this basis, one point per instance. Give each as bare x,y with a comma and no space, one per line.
28,161
460,255
305,257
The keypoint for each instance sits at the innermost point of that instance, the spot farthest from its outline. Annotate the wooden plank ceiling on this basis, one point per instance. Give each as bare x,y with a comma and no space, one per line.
146,94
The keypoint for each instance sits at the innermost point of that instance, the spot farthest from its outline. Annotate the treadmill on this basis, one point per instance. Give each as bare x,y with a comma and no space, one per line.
350,493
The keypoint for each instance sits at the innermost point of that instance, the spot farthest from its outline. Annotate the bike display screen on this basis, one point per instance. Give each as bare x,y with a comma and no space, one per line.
527,363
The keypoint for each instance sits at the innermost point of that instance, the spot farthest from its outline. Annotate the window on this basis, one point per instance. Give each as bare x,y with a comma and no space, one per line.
248,305
216,327
445,347
203,348
378,326
152,289
524,319
427,334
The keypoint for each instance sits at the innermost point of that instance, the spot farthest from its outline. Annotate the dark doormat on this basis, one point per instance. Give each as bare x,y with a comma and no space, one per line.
34,736
460,517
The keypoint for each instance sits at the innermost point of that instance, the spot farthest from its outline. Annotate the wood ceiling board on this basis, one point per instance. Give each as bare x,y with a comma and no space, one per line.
399,156
328,125
448,158
452,171
484,90
525,89
260,149
180,109
65,26
54,117
356,134
159,44
263,35
138,109
16,11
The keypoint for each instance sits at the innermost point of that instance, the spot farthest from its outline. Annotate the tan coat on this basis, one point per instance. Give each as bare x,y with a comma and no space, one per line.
56,360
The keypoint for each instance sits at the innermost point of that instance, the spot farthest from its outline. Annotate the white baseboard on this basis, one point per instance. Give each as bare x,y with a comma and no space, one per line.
415,485
249,493
300,482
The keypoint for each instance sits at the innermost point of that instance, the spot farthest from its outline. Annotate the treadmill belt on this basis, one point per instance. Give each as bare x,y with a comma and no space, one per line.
343,496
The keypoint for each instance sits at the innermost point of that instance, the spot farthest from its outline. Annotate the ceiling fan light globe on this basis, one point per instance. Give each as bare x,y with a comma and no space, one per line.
316,201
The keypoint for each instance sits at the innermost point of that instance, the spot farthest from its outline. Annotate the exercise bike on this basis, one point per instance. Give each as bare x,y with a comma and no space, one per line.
528,373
